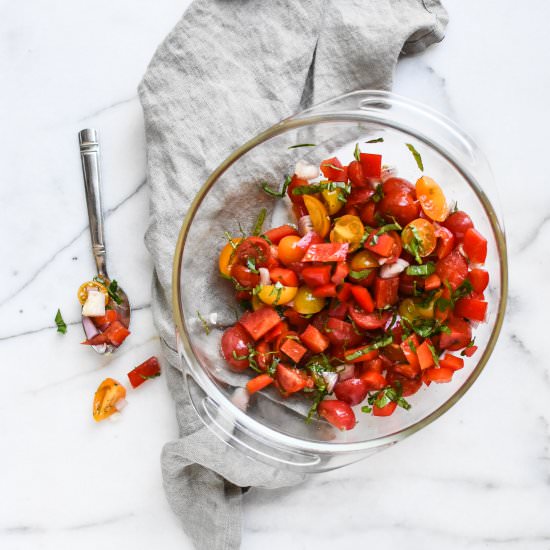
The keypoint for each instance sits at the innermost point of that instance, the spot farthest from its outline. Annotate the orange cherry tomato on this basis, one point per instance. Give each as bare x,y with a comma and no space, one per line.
432,199
318,214
91,285
228,257
288,251
419,234
109,393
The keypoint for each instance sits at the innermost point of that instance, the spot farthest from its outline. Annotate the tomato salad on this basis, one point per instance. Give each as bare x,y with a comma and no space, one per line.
372,294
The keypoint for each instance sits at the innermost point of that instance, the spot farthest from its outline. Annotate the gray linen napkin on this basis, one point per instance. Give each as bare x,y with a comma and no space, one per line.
229,69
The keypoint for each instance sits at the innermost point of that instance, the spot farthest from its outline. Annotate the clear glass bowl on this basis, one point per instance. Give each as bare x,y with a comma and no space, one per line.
269,428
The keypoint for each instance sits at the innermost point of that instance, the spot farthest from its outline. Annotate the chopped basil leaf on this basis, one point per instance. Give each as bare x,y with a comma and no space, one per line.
302,145
279,194
366,409
416,156
319,396
413,247
61,325
257,229
385,340
421,270
388,395
328,165
357,153
434,354
388,227
378,193
112,289
229,238
359,275
267,239
463,290
251,264
203,322
376,140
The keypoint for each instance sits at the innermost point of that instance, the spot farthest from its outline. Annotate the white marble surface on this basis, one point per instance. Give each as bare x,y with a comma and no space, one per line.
477,478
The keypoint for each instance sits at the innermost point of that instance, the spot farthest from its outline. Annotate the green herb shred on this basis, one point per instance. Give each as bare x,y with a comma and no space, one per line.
328,165
359,275
203,323
421,270
61,325
302,145
375,140
378,193
279,194
357,153
416,156
257,229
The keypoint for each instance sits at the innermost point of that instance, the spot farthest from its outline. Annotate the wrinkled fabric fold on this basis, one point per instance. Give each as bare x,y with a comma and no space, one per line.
228,70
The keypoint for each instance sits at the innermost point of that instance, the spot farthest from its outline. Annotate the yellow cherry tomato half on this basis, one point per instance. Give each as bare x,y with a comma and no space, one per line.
287,250
419,235
277,295
109,393
228,257
305,303
432,199
413,308
332,202
318,214
91,285
348,229
364,259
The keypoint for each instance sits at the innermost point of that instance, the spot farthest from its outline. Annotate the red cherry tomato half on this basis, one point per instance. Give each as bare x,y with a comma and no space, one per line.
352,391
399,201
338,413
255,249
244,276
453,268
235,342
458,223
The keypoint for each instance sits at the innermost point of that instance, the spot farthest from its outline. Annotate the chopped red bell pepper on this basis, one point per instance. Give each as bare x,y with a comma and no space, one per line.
316,341
344,293
259,322
276,331
364,353
374,379
293,349
315,276
471,308
308,239
148,369
110,316
386,410
479,279
278,233
439,375
340,273
451,362
372,165
258,383
409,347
475,246
431,282
325,291
380,244
386,292
363,298
290,380
333,170
327,252
424,354
114,334
468,352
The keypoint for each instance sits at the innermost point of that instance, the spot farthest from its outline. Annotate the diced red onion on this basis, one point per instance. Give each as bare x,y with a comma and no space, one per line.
330,379
89,328
388,271
305,225
306,171
265,279
346,371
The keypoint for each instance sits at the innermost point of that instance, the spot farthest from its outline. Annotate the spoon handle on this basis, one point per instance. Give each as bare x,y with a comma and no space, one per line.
89,154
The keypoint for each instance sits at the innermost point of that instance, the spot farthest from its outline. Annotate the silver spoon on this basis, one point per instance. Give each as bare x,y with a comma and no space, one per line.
89,154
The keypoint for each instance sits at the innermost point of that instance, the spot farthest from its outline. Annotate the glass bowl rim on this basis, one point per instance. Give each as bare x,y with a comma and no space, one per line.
308,118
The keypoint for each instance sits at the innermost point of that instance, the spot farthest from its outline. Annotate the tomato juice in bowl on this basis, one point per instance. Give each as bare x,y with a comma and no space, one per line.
265,425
